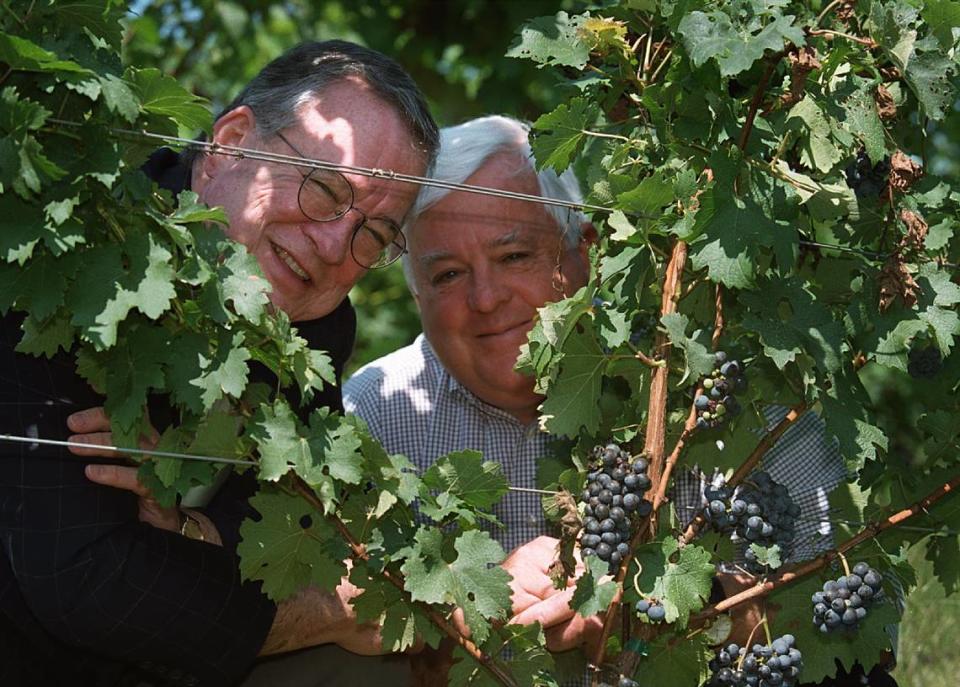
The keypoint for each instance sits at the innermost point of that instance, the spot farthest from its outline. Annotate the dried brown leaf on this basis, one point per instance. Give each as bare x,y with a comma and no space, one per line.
916,230
885,105
802,62
895,280
564,567
904,172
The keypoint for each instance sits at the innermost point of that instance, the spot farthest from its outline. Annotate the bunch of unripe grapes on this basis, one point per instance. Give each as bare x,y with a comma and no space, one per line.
717,401
868,180
843,603
759,511
776,664
651,608
924,362
614,499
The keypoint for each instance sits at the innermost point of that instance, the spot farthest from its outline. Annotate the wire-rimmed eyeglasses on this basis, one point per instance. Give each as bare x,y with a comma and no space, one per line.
325,195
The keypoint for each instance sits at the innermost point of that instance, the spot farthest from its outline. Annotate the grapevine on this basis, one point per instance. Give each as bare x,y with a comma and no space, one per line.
773,186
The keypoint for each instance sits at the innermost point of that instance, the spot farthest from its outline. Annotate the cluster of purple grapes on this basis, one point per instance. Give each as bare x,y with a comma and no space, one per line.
843,603
651,608
614,498
717,401
760,511
776,664
868,180
924,362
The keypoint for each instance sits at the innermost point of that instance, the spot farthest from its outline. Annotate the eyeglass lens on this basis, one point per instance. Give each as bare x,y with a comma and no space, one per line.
326,195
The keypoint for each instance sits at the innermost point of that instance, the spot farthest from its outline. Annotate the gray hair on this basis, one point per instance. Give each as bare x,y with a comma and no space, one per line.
278,91
466,147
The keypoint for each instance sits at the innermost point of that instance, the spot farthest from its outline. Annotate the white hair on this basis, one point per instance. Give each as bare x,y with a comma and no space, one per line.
466,147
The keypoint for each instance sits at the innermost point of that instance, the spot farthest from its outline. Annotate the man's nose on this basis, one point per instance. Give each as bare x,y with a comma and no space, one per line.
487,293
331,240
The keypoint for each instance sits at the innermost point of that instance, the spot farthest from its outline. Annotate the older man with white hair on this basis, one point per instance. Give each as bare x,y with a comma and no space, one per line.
479,266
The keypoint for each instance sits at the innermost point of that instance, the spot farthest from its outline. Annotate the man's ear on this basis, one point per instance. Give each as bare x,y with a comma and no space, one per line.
235,128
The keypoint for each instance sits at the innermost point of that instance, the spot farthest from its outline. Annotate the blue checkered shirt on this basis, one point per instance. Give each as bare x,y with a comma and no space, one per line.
415,407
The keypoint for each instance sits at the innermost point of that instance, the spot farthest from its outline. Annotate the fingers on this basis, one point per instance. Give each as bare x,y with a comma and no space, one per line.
549,612
576,632
117,476
93,439
89,420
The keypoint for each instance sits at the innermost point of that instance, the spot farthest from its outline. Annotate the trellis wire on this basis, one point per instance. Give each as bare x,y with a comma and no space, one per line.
298,161
235,461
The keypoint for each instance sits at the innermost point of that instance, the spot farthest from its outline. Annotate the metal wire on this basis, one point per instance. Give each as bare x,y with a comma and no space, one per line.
118,449
311,163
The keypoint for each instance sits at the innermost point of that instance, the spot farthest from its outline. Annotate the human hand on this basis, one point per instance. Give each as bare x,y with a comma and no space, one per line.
312,617
92,426
536,599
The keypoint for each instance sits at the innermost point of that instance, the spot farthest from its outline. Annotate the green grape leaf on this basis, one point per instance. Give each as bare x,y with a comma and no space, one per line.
847,420
134,366
593,594
542,353
468,581
223,372
864,123
47,337
931,77
402,624
530,663
552,41
684,585
290,547
713,35
572,400
465,475
312,369
768,556
274,429
734,229
217,435
944,552
559,136
20,53
648,198
161,95
820,151
790,320
334,450
242,283
678,660
119,97
698,358
20,115
726,450
942,16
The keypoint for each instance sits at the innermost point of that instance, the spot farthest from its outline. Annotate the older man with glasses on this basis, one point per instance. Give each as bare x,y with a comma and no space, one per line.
86,572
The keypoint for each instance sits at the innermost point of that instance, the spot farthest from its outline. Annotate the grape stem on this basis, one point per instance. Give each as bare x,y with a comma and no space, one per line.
798,572
750,463
359,552
757,99
688,427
